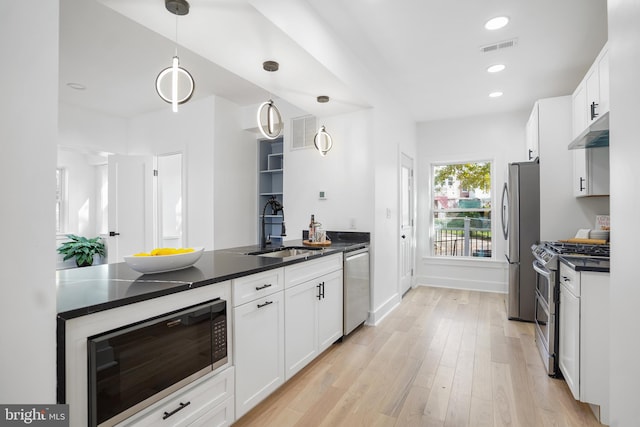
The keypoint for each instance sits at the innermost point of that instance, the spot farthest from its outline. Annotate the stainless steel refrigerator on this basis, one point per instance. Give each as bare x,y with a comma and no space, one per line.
521,229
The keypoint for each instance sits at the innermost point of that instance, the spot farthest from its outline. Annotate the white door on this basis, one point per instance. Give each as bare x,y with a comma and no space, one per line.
130,206
406,227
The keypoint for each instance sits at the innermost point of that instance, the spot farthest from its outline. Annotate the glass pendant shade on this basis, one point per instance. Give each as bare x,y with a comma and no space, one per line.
323,141
269,120
175,85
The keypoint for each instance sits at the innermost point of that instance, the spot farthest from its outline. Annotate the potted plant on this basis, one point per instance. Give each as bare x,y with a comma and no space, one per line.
82,249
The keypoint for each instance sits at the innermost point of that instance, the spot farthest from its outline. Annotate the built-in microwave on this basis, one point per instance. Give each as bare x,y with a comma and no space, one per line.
134,366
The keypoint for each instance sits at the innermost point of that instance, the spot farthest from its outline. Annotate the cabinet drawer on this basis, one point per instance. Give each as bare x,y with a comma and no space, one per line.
250,288
304,271
196,399
570,278
221,415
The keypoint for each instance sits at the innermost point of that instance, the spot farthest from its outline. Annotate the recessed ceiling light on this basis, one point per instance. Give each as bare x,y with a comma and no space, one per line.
76,86
496,68
495,94
496,23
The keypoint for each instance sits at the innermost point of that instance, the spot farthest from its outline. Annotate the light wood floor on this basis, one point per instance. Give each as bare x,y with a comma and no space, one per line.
443,358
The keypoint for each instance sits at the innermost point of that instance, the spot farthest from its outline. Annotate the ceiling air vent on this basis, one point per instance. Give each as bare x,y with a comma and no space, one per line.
303,129
499,46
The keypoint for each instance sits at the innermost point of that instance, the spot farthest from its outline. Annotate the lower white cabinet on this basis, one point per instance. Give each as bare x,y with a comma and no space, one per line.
313,319
208,401
258,349
584,337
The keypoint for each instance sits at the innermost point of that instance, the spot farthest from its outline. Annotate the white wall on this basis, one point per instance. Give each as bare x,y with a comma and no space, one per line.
28,131
345,174
498,138
190,131
91,131
235,185
80,192
624,53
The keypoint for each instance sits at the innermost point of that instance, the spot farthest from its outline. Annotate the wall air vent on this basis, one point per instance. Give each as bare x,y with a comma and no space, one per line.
303,129
499,46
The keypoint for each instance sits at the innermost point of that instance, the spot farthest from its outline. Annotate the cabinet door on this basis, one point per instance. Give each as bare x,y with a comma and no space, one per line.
533,134
259,350
580,182
330,310
569,346
603,77
301,336
579,109
593,94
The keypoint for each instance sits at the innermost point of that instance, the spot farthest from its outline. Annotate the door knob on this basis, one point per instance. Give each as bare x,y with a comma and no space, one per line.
403,236
113,233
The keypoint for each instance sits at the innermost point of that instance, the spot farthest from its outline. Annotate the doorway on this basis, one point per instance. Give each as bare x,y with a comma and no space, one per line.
407,220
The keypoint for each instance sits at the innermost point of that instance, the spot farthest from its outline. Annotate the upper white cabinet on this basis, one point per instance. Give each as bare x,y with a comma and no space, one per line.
591,171
591,97
532,133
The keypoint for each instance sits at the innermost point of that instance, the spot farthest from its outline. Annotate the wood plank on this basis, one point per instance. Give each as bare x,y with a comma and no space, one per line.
444,357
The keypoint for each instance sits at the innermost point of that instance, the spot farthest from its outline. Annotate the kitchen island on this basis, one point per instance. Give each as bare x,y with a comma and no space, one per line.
95,300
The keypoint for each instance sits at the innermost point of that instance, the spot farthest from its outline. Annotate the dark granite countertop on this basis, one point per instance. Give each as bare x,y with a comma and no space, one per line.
581,263
82,291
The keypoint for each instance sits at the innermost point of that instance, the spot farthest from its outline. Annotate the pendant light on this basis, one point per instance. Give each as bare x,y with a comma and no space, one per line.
174,84
268,117
322,140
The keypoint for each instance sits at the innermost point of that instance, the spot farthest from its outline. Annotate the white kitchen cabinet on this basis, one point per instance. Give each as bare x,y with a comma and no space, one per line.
584,336
532,134
569,346
313,310
591,97
258,339
591,171
206,399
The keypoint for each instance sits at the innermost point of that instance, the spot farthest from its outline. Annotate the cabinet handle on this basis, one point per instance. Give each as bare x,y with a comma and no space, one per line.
258,288
319,291
530,154
265,304
182,406
322,287
593,110
582,180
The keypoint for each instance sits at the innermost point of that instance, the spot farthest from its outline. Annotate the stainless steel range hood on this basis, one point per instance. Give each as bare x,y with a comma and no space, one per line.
596,135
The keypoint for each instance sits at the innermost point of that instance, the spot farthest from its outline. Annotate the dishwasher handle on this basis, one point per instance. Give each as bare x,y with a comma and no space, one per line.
355,253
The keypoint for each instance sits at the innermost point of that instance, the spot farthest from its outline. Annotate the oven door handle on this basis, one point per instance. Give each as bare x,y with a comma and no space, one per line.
541,270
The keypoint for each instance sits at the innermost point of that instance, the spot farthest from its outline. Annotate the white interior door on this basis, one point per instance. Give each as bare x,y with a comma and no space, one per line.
407,238
130,205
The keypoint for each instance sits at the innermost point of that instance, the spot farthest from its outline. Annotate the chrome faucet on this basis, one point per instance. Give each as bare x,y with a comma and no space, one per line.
276,207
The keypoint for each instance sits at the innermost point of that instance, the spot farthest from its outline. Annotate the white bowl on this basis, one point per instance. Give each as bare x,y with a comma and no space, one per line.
599,234
163,263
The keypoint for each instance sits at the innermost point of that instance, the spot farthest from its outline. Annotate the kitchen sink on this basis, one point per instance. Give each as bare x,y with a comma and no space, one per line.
287,252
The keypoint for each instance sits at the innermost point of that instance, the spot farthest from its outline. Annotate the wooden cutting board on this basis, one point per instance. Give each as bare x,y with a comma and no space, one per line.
317,244
585,241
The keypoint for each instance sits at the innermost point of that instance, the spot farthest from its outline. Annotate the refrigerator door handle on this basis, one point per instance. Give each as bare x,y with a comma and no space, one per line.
505,213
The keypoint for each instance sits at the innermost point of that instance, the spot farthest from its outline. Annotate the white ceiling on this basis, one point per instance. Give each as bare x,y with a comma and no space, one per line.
423,53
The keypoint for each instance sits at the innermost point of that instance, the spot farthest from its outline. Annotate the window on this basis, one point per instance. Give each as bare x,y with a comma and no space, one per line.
462,209
60,200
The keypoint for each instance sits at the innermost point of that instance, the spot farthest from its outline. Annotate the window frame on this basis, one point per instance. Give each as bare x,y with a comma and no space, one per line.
433,210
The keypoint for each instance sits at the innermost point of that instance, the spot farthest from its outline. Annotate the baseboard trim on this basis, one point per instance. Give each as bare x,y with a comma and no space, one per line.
375,317
464,284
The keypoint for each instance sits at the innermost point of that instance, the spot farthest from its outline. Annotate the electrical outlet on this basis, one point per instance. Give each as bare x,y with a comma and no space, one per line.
322,195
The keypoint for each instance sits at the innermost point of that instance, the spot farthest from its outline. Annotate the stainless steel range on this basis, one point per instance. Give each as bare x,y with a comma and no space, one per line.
545,265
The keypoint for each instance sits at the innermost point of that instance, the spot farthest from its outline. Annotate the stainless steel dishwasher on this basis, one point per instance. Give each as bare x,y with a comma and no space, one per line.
356,288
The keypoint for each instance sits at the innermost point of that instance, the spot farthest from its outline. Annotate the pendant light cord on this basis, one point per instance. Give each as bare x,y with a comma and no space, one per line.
176,39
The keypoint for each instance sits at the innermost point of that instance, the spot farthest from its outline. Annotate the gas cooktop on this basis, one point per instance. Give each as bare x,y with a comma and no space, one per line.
579,249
